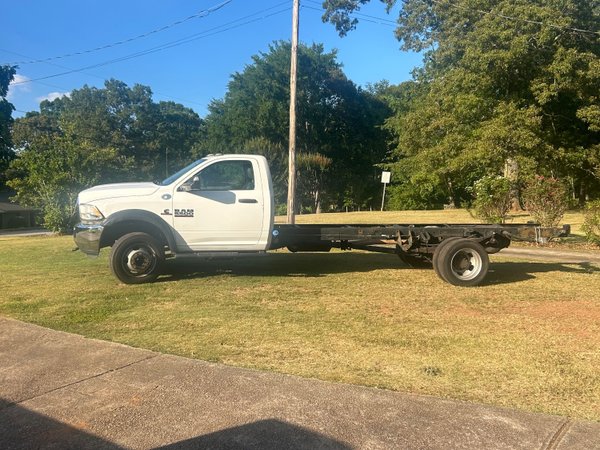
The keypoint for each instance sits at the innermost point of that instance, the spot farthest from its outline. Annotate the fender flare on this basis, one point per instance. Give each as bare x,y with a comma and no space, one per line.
137,215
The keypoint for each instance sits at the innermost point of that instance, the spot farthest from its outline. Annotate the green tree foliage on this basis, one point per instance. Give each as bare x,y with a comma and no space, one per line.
492,198
6,108
156,137
502,79
312,168
277,156
97,136
591,223
335,119
49,175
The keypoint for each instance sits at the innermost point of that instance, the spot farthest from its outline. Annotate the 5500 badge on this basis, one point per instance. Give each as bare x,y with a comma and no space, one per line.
184,213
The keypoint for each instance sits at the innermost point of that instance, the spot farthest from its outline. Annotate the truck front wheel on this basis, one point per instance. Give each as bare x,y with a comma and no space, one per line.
136,258
462,262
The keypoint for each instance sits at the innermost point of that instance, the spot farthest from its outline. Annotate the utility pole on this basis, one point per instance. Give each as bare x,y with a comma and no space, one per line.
291,217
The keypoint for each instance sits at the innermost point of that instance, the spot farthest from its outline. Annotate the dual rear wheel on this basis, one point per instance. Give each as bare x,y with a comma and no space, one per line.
458,261
461,262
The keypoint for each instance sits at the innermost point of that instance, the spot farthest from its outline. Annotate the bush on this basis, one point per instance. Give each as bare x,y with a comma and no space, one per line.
281,209
417,193
492,198
58,217
546,200
591,222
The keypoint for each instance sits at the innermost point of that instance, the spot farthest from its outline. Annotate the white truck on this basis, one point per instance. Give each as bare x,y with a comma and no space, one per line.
223,204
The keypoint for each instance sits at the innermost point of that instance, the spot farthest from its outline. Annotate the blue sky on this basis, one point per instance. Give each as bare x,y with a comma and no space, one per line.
192,73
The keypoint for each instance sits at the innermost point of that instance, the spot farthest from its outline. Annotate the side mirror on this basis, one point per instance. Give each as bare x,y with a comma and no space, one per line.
188,186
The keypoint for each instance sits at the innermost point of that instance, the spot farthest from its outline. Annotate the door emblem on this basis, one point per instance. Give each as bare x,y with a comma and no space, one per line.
184,213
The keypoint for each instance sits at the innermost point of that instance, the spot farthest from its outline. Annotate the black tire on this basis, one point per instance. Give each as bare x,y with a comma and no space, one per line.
413,260
136,258
463,262
436,254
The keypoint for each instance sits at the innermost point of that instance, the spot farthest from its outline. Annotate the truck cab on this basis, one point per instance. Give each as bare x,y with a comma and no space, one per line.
220,203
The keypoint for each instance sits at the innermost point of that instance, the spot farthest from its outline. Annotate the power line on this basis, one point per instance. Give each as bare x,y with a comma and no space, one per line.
98,77
200,14
210,32
207,33
383,21
363,17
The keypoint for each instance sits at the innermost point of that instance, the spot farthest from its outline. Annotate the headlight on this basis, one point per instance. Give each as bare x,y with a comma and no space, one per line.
89,213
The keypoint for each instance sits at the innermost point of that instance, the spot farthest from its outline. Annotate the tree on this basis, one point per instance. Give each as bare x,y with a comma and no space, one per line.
276,154
49,175
7,74
312,168
503,80
97,136
156,137
335,118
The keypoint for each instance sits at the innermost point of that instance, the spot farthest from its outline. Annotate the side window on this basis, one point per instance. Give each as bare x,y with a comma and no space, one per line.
226,176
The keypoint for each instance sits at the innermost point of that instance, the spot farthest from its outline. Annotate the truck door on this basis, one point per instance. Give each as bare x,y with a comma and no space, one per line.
221,207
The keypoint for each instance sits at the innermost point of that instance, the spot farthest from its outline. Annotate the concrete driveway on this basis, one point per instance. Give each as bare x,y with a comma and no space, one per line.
59,390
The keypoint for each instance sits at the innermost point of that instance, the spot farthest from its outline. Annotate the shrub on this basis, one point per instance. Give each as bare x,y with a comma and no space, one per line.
546,200
281,209
591,222
492,198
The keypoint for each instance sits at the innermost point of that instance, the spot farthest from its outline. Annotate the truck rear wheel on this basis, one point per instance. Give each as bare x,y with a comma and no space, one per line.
438,251
136,258
462,262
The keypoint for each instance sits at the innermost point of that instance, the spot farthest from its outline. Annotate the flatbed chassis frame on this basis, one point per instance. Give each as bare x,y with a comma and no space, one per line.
412,238
457,252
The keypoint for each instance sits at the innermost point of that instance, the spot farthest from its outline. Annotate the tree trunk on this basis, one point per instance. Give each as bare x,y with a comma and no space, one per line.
582,194
511,172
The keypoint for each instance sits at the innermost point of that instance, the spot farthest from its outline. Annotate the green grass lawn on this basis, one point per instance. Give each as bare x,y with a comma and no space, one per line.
529,338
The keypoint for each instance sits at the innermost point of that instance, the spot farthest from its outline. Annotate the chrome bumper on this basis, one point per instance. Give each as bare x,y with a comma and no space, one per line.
87,238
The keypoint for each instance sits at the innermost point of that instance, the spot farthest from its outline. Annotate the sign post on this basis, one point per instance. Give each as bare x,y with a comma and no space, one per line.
385,179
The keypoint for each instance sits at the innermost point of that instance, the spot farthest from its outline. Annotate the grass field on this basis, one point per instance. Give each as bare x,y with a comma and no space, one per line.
529,338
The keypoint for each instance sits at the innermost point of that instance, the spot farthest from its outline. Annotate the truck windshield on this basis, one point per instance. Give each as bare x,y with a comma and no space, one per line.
175,176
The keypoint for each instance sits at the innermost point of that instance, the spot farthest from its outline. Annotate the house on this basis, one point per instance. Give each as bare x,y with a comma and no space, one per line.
13,215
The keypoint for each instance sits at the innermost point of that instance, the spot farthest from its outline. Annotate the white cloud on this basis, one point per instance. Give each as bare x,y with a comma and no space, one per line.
14,88
53,96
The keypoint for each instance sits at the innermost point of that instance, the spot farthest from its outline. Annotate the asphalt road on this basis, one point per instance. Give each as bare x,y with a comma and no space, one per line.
552,254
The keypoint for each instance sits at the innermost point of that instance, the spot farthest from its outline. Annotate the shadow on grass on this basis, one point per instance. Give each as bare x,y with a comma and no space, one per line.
311,265
316,265
512,272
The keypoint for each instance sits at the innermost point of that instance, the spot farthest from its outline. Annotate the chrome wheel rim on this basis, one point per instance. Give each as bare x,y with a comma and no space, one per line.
140,261
466,264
